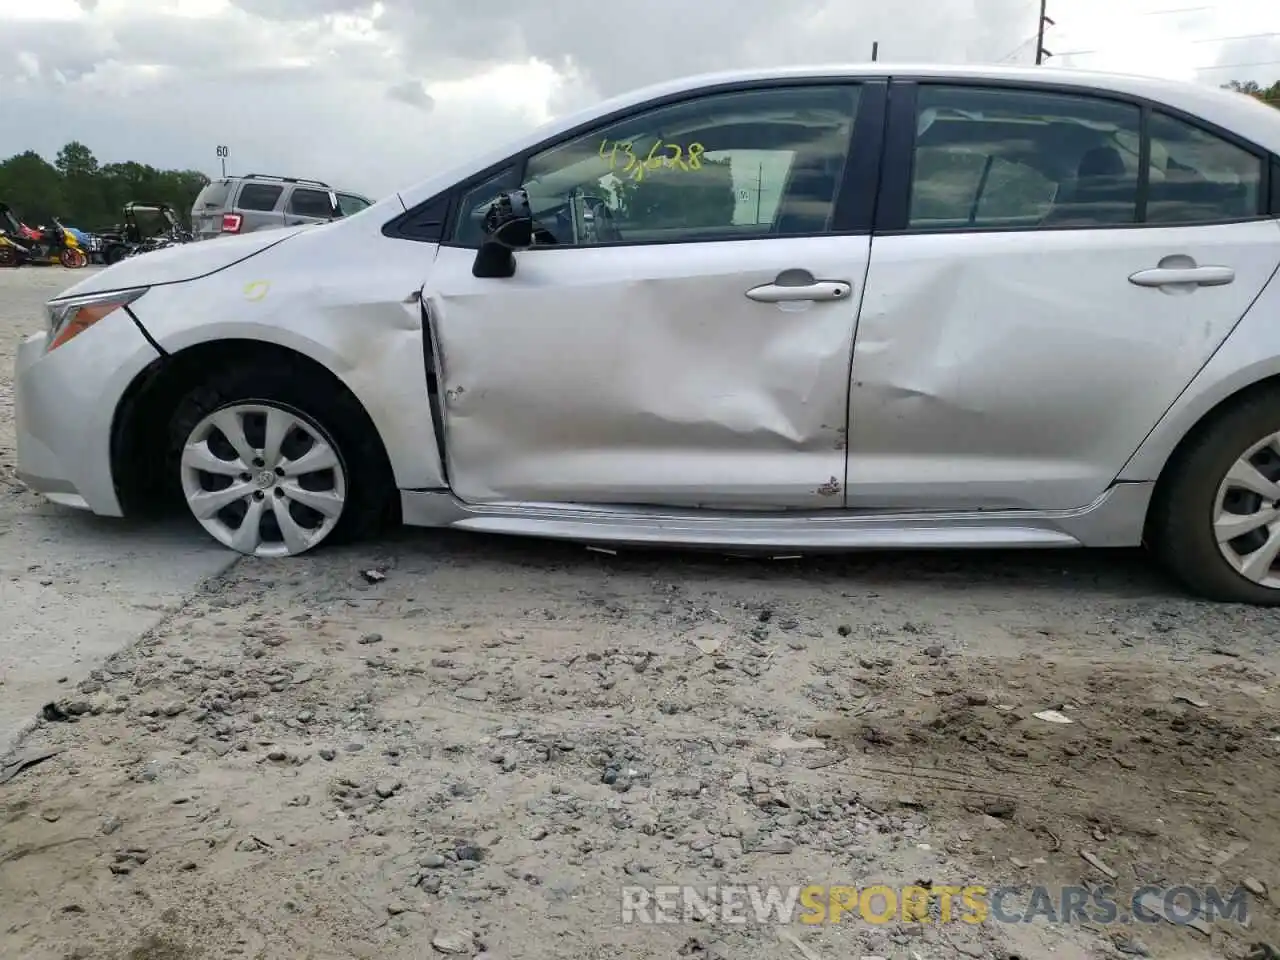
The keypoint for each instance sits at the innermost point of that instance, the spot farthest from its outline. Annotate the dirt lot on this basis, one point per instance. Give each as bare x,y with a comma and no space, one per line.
478,752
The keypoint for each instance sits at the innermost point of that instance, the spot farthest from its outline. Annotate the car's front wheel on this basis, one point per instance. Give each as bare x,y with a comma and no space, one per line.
1215,521
272,464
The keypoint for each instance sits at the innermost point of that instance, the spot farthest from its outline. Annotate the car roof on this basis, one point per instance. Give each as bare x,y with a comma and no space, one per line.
1241,114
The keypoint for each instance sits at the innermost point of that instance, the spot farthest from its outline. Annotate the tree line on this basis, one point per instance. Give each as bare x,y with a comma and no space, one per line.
87,195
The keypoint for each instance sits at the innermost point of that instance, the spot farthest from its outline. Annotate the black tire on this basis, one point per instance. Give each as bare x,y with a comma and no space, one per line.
335,412
1180,522
114,255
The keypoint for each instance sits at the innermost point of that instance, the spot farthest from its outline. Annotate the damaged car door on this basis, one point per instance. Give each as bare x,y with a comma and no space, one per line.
1051,270
678,330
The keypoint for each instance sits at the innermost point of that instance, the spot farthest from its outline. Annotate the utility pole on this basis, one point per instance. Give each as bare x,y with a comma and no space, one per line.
1041,52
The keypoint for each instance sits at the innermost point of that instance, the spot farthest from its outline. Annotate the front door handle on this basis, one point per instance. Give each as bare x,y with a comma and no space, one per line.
1183,276
787,293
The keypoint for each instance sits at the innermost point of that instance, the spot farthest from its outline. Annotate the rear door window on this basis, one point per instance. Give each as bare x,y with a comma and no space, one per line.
310,203
259,196
1196,177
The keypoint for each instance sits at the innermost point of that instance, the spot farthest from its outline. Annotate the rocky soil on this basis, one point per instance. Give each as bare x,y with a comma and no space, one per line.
476,754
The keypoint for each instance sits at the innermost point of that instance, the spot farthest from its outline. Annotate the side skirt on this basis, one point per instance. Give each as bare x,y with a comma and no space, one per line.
1115,519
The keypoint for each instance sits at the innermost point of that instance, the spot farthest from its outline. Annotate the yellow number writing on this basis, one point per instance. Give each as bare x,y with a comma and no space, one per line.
677,157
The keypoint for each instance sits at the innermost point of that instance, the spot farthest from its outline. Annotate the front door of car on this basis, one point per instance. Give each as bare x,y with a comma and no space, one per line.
681,332
1035,301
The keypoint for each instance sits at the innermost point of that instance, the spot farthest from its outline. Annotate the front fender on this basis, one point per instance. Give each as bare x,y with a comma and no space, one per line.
358,316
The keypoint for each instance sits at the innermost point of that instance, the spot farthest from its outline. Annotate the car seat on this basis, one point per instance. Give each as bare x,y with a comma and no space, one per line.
1103,192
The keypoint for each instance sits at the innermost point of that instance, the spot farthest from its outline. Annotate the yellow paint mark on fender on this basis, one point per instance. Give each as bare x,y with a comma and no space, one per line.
256,290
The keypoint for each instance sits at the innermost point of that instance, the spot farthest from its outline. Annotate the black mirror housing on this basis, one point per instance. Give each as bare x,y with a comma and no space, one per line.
509,220
494,261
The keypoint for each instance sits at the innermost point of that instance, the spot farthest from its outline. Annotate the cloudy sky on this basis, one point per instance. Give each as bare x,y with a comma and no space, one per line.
375,96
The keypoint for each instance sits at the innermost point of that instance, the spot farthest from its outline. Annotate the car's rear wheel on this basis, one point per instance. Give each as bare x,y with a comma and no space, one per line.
272,465
1215,521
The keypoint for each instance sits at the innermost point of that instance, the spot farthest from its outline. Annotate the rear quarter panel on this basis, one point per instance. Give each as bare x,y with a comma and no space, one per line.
1249,355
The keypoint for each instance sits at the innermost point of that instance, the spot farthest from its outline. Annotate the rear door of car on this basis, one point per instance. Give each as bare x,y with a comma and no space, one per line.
1050,268
260,204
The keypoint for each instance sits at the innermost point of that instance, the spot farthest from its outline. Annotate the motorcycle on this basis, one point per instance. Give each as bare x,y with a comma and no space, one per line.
45,246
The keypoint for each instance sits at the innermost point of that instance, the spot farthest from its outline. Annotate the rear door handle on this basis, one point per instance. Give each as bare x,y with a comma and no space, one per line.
1197,276
786,293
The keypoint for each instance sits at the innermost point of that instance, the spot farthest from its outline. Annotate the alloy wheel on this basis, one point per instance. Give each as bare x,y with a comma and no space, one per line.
1246,514
264,480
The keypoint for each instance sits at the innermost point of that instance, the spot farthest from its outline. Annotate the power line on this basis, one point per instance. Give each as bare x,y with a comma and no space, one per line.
1235,66
1018,48
1242,36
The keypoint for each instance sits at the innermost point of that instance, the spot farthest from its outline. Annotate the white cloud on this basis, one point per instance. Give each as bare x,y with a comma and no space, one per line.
374,94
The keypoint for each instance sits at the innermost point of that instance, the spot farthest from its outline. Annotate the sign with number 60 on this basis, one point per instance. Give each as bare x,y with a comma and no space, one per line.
223,152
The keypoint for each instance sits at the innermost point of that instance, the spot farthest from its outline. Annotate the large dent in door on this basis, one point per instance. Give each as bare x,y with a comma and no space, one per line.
651,389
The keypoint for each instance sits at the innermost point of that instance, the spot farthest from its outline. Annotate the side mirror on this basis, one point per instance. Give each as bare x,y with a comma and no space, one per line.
509,220
508,227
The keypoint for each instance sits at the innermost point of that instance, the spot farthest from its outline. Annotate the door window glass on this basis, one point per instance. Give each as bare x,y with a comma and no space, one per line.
722,167
1014,158
310,203
349,203
259,196
1199,178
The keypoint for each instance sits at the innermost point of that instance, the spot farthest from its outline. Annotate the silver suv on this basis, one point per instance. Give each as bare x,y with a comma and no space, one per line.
261,202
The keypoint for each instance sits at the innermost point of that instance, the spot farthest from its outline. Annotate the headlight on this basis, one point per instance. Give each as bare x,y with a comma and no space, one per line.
71,317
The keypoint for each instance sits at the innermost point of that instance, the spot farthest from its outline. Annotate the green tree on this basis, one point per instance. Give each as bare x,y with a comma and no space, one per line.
32,187
1252,88
87,194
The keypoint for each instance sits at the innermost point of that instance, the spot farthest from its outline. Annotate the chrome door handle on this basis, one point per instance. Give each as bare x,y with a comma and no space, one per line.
1197,276
785,293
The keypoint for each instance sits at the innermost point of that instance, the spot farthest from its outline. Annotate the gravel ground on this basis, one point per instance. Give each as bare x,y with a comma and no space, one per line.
477,750
73,588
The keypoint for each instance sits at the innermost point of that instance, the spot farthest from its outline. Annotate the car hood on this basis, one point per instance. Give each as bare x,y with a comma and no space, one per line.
177,264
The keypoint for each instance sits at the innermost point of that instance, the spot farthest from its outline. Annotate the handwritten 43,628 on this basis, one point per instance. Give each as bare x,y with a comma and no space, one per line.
669,155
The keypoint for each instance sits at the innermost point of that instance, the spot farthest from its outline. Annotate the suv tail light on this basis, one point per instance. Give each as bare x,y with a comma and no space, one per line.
231,222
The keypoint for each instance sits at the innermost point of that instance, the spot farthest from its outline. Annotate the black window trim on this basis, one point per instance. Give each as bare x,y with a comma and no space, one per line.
855,201
895,192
